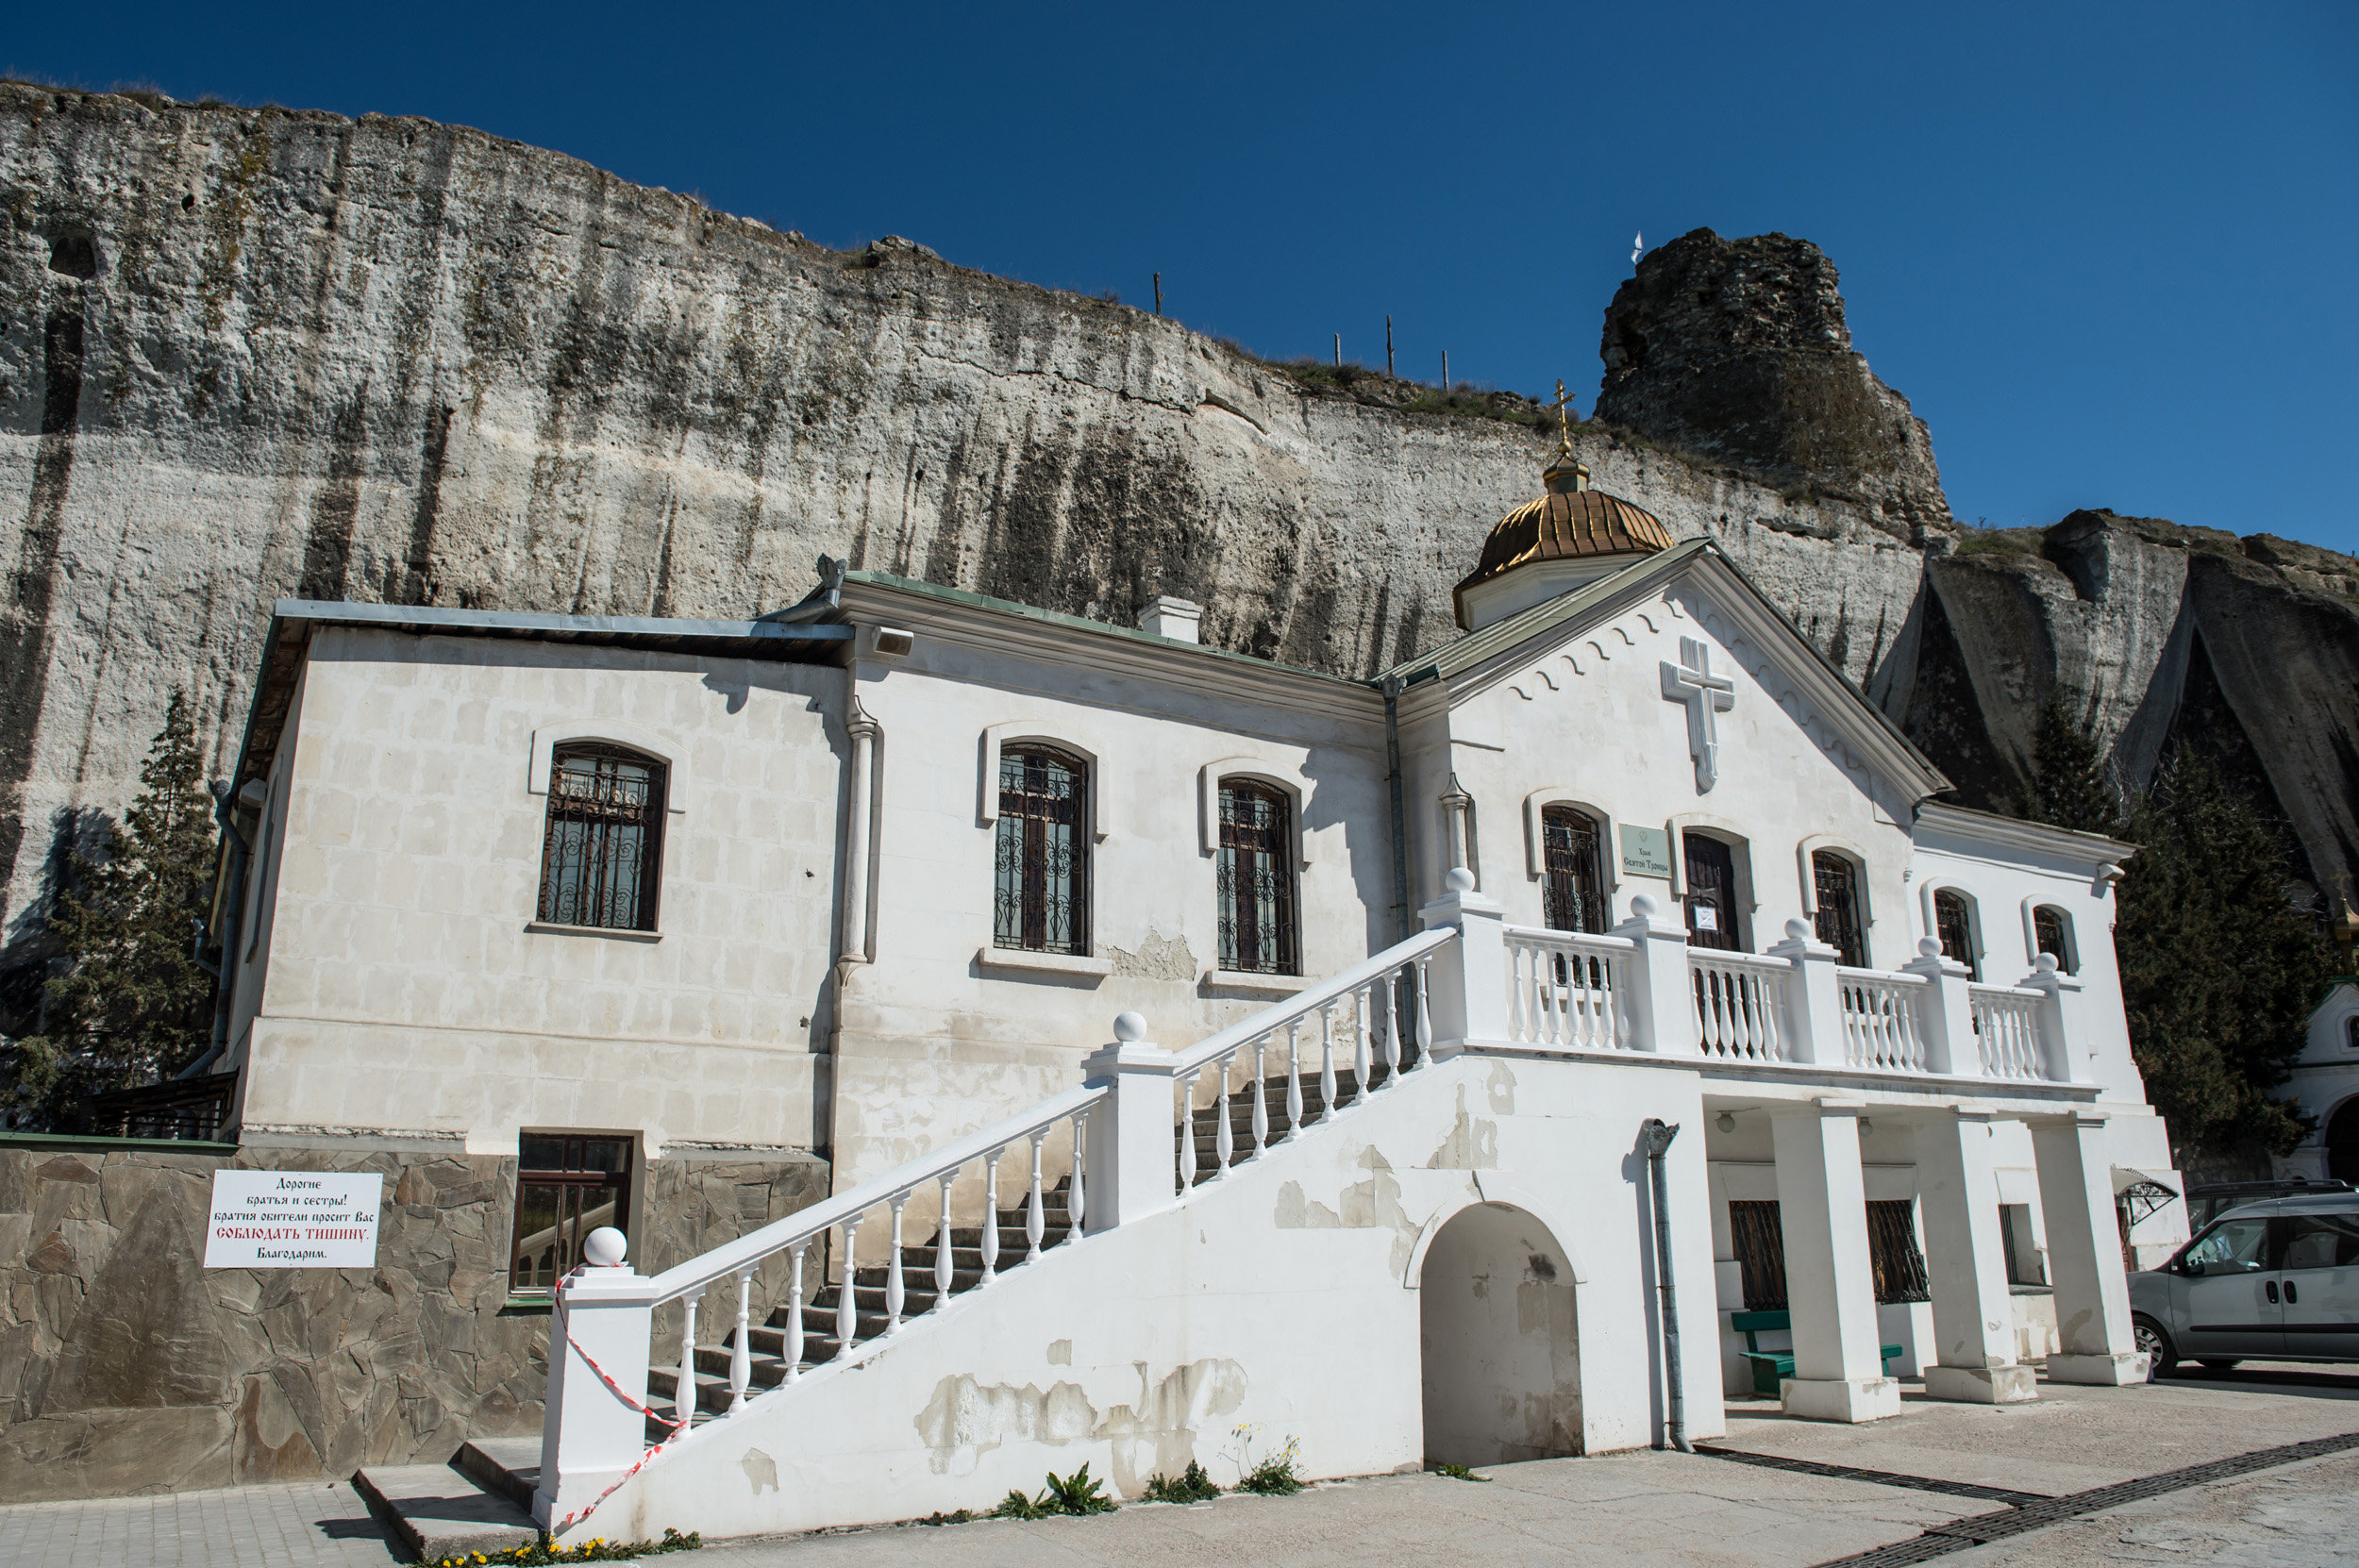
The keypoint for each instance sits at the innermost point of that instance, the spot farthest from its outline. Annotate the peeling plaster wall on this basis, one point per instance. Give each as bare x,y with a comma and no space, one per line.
1285,1296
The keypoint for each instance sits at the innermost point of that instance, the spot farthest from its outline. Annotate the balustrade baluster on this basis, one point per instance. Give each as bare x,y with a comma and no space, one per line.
1362,1057
990,1238
1424,1015
1518,1004
684,1397
1187,1131
846,1302
1326,1061
943,1262
893,1270
1035,1219
741,1348
1076,1195
1391,1031
794,1313
1223,1134
1260,1095
1294,1076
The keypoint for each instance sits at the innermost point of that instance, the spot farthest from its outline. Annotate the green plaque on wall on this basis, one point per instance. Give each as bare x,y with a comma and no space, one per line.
1646,852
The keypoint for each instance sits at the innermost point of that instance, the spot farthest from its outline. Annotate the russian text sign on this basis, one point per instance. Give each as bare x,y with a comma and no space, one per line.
292,1220
1646,852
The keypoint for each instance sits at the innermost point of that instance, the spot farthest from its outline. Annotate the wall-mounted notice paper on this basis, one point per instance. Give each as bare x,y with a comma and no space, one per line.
292,1220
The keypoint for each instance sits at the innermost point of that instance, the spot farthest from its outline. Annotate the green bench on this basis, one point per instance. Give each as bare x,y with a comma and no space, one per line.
1770,1366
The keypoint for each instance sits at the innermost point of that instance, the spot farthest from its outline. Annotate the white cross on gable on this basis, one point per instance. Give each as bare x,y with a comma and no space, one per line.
1691,681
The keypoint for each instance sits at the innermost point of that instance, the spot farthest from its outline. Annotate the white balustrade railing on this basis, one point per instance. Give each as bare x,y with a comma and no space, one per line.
2006,1030
1568,989
1359,1013
1880,1027
1740,1004
875,1211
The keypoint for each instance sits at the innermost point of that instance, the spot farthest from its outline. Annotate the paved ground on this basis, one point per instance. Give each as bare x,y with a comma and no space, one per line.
1633,1508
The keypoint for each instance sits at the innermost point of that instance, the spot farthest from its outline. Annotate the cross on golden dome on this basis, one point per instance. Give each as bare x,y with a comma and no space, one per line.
1564,425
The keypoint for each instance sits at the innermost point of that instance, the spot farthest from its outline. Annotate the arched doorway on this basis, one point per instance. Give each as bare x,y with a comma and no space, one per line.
2342,1142
1501,1342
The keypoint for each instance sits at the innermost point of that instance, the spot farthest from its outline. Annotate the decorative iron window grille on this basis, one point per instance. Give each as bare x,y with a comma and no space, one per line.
1837,883
1255,880
1954,924
2048,926
566,1187
1572,892
1893,1253
602,857
1041,896
1760,1237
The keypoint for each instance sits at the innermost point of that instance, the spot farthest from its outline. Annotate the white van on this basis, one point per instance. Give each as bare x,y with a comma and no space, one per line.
2275,1281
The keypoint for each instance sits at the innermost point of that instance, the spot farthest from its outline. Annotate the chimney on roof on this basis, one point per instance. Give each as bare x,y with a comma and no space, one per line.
1177,619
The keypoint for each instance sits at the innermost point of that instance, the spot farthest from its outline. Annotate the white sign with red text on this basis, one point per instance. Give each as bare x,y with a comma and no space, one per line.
292,1220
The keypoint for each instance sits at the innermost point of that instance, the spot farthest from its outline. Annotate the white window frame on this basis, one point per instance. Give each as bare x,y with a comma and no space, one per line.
1090,967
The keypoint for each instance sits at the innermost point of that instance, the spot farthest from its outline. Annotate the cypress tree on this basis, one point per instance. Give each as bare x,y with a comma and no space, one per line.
2070,785
131,1003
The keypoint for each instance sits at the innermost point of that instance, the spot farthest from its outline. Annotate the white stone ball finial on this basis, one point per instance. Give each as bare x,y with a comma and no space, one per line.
1129,1028
1797,930
1928,948
604,1247
1642,907
2045,963
1459,880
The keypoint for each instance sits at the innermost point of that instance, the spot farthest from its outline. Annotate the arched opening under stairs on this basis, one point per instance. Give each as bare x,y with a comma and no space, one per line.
1501,1342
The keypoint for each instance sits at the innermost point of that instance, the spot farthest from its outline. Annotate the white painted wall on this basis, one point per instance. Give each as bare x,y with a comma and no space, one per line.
2326,1076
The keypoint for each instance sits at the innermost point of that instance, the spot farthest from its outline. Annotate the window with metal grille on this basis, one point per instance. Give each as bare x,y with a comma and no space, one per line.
1041,898
1893,1253
602,855
2054,936
1837,884
566,1187
1953,923
1759,1238
1572,892
1255,880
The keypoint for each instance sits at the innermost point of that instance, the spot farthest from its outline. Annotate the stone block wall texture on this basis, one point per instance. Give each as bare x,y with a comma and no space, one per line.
254,353
125,1366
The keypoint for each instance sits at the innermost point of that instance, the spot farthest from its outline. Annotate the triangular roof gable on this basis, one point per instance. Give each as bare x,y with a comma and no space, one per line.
1481,660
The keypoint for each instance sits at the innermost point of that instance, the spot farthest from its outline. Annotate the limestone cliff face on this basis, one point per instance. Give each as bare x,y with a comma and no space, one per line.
250,354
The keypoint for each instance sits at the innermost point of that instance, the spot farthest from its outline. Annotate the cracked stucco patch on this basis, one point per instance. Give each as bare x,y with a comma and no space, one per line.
1473,1143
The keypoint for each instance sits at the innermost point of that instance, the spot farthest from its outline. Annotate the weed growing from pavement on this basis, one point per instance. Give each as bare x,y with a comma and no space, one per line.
1458,1472
1192,1486
597,1550
1076,1494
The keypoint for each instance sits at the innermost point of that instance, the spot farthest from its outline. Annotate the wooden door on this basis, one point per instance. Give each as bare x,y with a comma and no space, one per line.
1710,892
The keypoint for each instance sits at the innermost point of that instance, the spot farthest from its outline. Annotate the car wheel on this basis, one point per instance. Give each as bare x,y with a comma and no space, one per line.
2221,1363
2162,1355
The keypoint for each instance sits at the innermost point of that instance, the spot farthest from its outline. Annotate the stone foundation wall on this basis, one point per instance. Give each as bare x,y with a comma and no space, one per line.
125,1366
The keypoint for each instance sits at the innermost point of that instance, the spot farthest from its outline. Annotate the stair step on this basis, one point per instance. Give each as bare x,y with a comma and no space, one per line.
510,1466
439,1510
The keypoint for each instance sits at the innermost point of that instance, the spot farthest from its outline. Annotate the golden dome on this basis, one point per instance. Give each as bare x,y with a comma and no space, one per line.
1569,522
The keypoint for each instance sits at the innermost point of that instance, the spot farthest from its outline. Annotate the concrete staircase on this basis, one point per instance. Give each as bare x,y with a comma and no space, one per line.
481,1501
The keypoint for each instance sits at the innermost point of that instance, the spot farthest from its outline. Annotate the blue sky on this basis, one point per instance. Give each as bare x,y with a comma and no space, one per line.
2107,251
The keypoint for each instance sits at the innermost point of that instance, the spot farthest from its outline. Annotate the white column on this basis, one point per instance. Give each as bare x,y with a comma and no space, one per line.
1966,1261
589,1437
2076,1200
1813,1003
863,729
1467,979
2062,1042
1830,1288
1132,1151
1948,1016
1660,995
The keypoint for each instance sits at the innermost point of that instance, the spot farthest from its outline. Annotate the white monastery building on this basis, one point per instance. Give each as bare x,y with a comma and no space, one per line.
1469,1064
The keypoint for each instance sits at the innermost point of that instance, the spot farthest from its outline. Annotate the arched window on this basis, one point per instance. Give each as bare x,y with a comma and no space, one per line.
2052,927
2351,1031
1835,880
602,855
1953,923
1572,891
1256,879
2342,1142
1041,899
1710,867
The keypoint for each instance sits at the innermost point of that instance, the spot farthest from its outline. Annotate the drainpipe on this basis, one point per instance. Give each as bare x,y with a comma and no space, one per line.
1655,1137
225,812
1392,689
